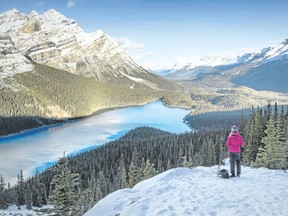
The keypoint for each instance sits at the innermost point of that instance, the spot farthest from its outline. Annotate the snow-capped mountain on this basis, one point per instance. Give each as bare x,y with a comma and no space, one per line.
56,41
264,55
263,70
198,191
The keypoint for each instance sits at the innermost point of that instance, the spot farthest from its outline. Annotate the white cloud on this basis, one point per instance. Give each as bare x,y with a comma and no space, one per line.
70,3
127,44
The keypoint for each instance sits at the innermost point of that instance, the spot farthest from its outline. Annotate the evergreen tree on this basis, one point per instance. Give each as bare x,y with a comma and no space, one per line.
28,197
10,195
64,183
253,136
132,174
20,190
122,174
102,187
282,126
272,155
149,170
191,153
3,195
39,197
86,202
242,122
179,157
248,153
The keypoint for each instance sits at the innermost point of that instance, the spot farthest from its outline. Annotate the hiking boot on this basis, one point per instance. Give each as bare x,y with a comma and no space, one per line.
238,175
232,175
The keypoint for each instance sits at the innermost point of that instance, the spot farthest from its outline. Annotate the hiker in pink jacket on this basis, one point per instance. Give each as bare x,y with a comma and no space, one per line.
234,144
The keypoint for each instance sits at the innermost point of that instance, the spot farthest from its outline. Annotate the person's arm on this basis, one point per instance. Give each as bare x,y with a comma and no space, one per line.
228,142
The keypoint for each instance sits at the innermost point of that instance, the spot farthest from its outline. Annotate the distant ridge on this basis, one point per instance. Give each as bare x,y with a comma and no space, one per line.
266,69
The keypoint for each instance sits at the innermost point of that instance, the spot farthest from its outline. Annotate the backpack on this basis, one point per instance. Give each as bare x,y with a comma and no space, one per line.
223,173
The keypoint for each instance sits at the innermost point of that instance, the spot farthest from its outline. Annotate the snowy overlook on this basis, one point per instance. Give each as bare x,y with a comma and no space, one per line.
198,191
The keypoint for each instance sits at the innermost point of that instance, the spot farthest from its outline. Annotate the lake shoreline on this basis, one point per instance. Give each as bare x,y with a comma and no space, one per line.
38,148
97,112
60,122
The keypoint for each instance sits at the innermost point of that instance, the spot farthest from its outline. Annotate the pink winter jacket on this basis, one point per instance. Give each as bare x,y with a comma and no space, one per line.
234,142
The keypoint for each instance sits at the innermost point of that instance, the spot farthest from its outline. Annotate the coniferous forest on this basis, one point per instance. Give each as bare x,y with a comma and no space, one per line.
76,183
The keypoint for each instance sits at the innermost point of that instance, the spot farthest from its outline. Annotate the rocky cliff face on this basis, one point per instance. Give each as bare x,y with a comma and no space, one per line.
56,41
11,60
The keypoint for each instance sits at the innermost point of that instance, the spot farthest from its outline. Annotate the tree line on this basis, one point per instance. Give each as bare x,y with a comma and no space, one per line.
266,136
48,95
76,183
140,154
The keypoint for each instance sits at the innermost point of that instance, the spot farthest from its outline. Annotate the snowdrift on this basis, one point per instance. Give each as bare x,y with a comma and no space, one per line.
198,191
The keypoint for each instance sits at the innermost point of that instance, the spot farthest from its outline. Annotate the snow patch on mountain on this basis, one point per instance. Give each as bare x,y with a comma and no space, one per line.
267,54
56,41
198,191
140,80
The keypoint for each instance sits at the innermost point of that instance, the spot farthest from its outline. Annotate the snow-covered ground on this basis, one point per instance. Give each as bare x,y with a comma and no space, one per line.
14,211
198,191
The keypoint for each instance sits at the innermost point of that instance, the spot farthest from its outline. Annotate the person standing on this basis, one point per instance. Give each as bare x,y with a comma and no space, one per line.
234,144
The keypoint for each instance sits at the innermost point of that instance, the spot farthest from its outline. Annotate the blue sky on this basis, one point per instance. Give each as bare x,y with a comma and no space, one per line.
161,32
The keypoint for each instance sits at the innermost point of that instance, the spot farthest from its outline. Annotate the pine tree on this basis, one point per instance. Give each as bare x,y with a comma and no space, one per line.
179,157
64,183
86,202
3,197
272,155
10,195
253,136
149,170
102,187
28,197
20,190
132,174
248,153
122,174
39,197
191,153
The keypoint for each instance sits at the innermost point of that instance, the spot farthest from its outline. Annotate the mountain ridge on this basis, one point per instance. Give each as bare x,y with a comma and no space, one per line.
51,70
261,70
52,39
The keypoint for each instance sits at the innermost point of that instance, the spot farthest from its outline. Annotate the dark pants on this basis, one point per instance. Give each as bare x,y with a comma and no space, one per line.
234,157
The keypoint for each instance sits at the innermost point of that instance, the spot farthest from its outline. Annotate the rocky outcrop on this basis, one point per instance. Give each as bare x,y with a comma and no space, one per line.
11,60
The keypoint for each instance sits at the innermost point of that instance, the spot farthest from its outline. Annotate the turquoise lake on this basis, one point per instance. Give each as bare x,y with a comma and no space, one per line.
38,148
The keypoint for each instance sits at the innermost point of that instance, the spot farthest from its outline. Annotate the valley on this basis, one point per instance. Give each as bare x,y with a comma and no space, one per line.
77,96
52,71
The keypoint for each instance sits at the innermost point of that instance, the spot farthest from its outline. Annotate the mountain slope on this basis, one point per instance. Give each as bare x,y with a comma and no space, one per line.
52,39
263,70
50,70
46,95
198,191
271,76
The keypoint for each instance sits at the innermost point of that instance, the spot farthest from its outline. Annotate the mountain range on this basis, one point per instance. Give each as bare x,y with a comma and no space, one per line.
51,69
266,69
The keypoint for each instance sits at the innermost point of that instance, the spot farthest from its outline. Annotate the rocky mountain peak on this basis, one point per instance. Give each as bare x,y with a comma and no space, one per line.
10,13
52,39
